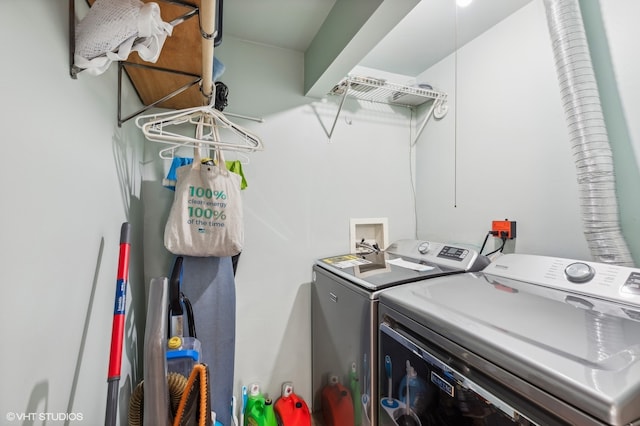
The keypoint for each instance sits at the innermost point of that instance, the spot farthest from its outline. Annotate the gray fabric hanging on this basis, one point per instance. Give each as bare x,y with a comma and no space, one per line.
209,284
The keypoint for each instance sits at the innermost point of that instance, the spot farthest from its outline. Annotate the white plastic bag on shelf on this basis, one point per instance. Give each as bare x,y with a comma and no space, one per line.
112,29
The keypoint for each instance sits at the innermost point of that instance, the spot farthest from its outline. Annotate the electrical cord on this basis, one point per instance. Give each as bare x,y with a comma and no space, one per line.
499,249
495,234
222,93
485,240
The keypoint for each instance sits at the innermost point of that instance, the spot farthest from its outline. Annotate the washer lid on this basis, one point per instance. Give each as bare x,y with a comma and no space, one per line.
404,261
583,350
376,271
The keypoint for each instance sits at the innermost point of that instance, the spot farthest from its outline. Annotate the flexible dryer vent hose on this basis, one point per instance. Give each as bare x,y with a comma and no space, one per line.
589,140
177,384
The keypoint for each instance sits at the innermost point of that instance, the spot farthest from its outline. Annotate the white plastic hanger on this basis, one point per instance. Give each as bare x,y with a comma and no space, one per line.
168,127
170,152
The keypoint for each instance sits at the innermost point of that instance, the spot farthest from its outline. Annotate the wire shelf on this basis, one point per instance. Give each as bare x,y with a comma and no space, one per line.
382,91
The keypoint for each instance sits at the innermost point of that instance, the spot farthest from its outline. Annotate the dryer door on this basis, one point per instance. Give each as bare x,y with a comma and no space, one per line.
422,385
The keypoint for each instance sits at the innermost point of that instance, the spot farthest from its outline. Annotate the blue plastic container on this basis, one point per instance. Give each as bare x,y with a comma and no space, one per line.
413,390
182,354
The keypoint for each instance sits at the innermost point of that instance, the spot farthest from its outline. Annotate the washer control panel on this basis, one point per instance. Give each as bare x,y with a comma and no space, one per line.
610,282
439,253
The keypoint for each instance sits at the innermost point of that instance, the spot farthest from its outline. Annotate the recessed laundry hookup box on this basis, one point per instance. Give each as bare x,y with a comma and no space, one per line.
368,232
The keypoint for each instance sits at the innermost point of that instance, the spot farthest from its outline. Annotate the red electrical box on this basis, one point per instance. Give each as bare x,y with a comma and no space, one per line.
504,229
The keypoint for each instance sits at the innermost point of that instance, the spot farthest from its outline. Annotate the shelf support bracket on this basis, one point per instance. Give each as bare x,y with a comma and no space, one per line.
335,120
121,69
438,109
73,69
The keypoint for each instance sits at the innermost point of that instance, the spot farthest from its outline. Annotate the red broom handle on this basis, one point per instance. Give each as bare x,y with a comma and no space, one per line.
117,329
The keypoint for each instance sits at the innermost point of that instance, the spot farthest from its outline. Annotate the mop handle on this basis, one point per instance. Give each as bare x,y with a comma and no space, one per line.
117,330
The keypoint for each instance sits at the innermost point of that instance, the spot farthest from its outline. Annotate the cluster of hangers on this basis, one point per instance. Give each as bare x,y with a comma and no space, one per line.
206,123
171,128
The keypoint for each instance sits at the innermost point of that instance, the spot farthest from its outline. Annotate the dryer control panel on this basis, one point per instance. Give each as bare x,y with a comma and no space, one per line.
610,282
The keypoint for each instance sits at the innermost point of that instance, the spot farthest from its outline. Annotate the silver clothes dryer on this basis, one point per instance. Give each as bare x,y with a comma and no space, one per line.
528,340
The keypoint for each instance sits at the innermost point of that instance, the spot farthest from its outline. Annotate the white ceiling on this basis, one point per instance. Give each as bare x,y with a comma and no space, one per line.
426,35
290,24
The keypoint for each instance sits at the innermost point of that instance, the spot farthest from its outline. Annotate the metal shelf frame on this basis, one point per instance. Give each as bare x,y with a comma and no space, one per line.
381,91
193,10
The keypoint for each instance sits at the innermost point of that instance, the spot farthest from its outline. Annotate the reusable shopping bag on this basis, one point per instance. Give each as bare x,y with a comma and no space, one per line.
206,217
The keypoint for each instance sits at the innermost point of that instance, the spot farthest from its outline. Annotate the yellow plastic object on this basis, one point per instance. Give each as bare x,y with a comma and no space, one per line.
175,342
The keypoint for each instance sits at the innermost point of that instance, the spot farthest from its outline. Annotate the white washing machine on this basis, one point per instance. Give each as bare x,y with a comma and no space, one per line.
344,317
529,340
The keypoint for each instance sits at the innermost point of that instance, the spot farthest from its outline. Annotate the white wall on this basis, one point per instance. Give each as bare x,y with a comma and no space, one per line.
503,152
621,32
70,178
610,31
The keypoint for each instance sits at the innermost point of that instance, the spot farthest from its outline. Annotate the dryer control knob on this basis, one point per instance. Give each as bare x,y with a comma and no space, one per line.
579,272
